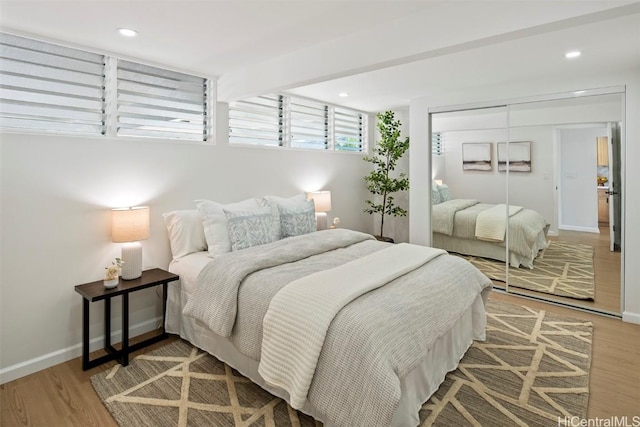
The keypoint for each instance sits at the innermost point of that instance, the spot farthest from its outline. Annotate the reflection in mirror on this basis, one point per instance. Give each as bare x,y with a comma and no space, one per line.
574,183
466,186
561,215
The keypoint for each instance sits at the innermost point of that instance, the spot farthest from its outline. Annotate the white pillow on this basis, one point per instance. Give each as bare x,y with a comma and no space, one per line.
216,230
299,201
186,233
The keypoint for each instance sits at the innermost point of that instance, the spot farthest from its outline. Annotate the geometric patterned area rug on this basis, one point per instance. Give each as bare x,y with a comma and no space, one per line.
563,269
532,369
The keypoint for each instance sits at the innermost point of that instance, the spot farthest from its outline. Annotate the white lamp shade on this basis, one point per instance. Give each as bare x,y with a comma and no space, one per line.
130,224
321,200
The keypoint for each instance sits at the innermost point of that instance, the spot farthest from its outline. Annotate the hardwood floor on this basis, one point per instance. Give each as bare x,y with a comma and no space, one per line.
63,395
60,396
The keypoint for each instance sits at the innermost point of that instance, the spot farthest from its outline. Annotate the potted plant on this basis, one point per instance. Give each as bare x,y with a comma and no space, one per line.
380,181
112,273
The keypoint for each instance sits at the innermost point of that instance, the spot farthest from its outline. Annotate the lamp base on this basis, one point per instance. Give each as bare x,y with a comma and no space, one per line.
132,260
321,221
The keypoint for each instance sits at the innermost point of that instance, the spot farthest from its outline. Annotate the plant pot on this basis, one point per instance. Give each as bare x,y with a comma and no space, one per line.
384,239
112,283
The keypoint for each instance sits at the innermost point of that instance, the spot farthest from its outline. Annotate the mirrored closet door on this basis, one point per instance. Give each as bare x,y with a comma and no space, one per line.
537,183
573,181
465,182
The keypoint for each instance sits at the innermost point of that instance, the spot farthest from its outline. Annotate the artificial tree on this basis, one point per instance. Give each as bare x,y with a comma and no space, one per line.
389,149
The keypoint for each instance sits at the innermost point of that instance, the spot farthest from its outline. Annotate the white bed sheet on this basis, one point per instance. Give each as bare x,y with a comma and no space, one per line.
416,387
188,268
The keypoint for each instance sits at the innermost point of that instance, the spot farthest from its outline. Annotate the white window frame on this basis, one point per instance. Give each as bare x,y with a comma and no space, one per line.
50,88
255,119
288,122
110,100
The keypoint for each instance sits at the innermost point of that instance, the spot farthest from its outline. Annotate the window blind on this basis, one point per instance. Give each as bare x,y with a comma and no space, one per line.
153,102
258,120
349,129
309,124
47,87
437,143
289,121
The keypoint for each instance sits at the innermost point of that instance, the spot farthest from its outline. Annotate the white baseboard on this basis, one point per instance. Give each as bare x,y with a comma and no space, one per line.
39,363
577,228
630,317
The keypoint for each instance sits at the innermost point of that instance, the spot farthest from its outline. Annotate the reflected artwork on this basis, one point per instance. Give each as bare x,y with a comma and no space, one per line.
476,156
519,156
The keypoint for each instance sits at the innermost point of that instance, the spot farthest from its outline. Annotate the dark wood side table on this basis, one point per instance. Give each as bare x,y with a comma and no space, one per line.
95,291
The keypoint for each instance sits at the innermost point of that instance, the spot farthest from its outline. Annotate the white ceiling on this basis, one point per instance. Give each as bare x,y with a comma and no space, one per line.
382,52
606,46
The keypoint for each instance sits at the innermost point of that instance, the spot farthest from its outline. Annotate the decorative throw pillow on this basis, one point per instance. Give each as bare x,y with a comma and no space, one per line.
214,221
445,193
435,196
186,232
250,228
299,201
297,220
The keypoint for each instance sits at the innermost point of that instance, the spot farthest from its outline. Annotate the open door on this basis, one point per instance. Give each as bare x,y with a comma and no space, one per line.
614,193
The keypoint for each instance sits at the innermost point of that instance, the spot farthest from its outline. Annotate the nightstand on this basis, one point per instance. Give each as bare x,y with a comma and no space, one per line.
95,291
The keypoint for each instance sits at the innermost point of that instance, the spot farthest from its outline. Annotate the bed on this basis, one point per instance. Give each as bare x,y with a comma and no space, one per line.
383,352
456,224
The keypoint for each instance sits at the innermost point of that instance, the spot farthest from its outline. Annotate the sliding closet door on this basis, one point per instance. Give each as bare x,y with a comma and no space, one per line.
466,182
559,175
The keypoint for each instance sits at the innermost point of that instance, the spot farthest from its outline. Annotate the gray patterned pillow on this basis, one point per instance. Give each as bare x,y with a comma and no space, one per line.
250,228
445,193
298,220
435,197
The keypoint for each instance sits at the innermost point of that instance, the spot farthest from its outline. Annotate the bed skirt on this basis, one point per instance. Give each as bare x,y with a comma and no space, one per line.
490,250
416,387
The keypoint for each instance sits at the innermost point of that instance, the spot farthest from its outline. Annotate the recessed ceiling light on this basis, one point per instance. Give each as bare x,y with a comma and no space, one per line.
579,92
127,32
343,94
572,54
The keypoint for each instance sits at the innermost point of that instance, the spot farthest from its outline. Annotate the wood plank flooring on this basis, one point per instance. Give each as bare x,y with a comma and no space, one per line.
63,396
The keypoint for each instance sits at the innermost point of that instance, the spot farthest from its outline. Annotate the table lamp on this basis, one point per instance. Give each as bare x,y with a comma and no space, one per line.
129,226
322,202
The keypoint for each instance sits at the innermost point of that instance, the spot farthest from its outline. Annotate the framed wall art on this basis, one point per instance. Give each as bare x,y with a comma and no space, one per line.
519,156
476,156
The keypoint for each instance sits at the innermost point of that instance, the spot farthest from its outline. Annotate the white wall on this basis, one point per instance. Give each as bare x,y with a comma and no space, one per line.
578,196
420,219
485,186
56,195
474,126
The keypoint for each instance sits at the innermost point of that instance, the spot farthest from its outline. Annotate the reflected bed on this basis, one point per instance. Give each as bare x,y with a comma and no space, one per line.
455,229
